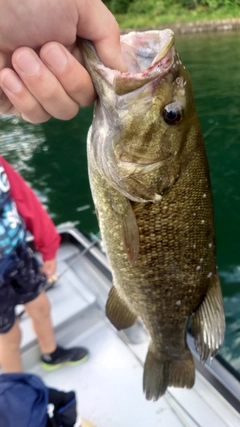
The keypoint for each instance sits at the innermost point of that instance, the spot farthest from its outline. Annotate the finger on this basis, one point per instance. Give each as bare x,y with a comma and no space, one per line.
96,23
6,106
5,103
18,99
43,85
70,73
5,60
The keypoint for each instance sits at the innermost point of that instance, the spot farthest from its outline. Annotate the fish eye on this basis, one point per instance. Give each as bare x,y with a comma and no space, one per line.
172,113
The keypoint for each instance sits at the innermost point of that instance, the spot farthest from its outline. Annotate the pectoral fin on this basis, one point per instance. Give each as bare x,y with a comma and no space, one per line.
138,191
129,227
208,323
118,311
130,234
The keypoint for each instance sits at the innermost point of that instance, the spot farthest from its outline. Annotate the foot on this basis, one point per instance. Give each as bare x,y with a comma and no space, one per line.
64,356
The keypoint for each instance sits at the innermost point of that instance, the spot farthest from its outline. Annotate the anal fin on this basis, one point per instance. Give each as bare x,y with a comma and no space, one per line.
118,311
208,323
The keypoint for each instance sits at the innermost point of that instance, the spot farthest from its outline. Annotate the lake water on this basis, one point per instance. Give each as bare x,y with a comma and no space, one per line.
52,158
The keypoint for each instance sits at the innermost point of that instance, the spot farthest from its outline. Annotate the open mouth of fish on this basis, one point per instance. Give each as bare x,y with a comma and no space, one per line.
147,55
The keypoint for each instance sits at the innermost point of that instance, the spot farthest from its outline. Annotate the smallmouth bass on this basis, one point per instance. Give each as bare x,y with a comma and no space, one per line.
150,184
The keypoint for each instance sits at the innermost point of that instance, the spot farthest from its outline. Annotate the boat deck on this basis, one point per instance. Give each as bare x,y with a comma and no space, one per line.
109,383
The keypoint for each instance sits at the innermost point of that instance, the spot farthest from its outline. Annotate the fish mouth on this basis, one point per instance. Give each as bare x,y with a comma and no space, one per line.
147,55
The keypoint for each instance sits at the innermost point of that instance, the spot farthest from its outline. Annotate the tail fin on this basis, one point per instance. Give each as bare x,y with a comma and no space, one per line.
162,371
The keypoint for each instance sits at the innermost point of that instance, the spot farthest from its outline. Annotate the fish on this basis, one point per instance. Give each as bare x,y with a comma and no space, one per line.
150,184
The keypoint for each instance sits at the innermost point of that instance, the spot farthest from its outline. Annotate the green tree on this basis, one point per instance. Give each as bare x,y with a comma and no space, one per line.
120,6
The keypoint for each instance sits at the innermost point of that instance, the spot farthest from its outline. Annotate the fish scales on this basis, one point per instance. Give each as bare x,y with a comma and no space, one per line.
150,184
164,257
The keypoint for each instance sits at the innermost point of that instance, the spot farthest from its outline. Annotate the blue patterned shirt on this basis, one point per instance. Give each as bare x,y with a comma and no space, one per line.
12,227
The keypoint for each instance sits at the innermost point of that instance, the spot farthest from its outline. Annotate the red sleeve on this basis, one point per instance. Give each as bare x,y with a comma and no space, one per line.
38,222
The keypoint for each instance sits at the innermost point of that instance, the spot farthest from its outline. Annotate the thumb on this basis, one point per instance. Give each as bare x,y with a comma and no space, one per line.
97,24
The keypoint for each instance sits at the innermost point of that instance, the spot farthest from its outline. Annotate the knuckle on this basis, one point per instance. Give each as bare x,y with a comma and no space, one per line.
36,119
83,92
52,94
35,114
88,100
68,114
115,26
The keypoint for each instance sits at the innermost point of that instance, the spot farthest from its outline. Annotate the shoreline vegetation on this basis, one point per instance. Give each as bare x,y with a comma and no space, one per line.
192,27
182,16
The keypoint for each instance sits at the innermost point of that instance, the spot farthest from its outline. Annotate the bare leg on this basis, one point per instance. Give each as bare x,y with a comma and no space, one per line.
10,356
39,311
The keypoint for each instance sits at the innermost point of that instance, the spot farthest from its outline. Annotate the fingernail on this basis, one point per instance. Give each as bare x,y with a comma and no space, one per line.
119,64
11,82
28,63
55,57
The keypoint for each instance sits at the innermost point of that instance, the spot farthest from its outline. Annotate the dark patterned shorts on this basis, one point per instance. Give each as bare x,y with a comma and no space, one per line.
21,281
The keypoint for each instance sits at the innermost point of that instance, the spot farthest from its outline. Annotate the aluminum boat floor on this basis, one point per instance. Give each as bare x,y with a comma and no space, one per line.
109,383
109,389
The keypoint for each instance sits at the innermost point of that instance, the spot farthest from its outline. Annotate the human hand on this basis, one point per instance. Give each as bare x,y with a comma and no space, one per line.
49,267
46,78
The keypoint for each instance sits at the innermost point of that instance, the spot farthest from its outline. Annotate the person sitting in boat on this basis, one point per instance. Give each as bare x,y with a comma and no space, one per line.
22,279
